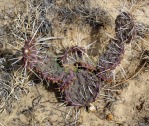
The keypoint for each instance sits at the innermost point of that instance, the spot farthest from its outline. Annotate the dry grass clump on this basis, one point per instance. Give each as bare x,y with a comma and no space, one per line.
95,17
12,87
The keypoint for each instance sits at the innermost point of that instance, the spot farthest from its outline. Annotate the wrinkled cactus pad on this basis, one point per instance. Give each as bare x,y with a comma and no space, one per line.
82,89
124,27
42,61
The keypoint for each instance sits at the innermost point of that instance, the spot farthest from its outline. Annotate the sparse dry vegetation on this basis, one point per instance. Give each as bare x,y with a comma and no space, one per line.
74,63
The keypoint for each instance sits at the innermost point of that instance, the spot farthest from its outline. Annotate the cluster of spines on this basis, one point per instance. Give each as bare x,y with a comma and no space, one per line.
29,54
125,27
74,50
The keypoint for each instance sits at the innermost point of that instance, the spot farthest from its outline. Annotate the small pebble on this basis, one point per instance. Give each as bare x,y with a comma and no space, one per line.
110,117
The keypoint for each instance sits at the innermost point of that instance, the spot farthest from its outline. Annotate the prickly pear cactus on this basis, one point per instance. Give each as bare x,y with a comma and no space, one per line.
79,85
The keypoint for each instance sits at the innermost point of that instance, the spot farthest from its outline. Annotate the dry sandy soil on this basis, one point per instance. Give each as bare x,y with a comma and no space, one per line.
27,102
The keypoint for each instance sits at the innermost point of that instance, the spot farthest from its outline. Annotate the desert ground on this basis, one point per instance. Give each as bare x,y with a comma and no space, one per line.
28,100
